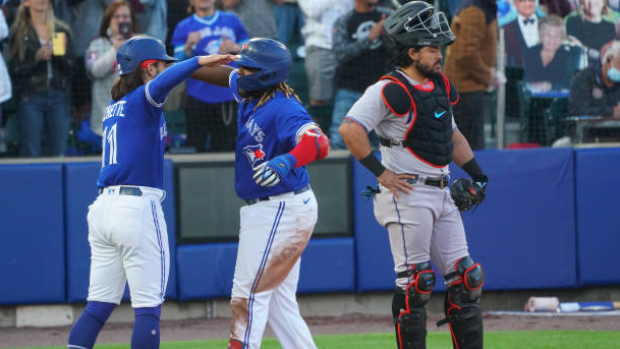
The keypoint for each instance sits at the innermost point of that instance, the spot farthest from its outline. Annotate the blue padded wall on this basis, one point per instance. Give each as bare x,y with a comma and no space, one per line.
32,253
80,192
374,266
205,270
524,233
328,265
526,220
598,225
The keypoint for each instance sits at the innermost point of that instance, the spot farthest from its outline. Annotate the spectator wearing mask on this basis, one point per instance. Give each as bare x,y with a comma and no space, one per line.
211,110
362,59
101,57
595,91
39,55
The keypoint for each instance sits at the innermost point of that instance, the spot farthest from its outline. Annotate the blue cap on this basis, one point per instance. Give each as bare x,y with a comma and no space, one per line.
272,59
138,49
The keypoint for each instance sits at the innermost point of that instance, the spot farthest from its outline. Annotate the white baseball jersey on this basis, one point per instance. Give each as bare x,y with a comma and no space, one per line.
424,224
371,112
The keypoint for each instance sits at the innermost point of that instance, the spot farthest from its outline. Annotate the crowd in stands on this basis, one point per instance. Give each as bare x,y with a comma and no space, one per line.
58,60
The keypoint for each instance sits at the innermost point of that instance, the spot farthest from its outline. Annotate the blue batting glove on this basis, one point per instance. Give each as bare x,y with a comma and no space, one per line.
271,173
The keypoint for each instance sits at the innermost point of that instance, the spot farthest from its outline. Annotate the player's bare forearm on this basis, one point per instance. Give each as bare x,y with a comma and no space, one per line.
462,151
356,138
214,75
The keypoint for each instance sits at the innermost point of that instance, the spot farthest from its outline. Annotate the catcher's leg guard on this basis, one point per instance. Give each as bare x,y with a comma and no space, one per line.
408,307
462,305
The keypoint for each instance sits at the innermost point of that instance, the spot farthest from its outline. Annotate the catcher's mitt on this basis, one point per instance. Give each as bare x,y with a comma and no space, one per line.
467,194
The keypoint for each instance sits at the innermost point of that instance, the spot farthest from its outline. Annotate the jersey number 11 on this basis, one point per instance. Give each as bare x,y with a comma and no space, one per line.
109,152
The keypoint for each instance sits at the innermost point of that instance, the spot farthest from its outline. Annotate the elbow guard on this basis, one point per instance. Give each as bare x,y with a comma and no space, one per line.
313,145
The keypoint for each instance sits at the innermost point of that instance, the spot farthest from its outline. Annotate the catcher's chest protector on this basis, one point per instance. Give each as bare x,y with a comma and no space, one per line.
429,136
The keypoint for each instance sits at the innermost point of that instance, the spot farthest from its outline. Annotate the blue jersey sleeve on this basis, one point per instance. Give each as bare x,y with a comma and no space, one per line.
179,37
232,82
157,89
293,117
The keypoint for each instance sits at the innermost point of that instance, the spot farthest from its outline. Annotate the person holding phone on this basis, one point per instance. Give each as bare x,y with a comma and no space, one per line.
39,59
117,26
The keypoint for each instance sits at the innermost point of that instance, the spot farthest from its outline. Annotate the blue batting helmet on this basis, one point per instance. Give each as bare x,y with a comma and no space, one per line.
272,59
136,50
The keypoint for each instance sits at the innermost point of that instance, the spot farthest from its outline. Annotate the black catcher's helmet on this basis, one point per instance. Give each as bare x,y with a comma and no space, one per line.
418,24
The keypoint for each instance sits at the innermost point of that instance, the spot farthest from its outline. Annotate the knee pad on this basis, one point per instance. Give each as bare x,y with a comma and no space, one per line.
462,304
408,307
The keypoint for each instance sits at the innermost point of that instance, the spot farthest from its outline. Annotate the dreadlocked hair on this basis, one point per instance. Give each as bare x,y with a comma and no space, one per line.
270,91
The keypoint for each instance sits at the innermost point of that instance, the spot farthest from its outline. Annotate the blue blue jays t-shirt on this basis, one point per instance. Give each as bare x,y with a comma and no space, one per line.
211,31
270,130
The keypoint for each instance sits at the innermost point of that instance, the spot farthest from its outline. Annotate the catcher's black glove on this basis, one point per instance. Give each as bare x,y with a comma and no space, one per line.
467,194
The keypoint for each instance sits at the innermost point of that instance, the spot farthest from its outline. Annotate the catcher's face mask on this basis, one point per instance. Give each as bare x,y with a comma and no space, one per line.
431,23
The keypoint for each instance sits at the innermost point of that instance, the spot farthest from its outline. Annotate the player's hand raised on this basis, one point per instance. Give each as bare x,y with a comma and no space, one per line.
395,182
215,60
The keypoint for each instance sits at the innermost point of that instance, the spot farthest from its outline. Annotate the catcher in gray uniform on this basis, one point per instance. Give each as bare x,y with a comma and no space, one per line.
411,111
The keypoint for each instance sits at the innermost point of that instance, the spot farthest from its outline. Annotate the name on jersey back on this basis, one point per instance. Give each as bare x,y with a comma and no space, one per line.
116,109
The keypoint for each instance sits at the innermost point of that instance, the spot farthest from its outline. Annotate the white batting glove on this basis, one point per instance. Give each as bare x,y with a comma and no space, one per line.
265,176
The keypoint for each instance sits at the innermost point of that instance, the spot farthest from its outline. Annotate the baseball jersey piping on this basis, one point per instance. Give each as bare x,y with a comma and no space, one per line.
150,99
358,122
261,268
402,227
161,250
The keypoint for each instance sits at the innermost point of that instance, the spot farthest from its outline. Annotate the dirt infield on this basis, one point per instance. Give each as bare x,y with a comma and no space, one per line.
187,330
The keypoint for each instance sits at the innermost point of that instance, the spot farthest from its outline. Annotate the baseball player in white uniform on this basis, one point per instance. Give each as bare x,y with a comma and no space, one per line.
276,139
126,227
411,111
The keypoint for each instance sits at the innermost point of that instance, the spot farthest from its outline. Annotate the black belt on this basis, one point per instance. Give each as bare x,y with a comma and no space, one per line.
123,190
389,142
267,198
437,182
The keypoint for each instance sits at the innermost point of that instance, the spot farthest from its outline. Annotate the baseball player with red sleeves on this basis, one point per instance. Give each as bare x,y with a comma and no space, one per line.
276,138
411,111
126,227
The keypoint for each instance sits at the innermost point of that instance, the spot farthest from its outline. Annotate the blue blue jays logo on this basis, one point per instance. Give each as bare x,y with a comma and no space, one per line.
254,153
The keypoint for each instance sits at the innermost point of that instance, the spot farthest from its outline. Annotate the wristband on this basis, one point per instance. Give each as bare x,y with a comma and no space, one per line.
474,171
373,164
